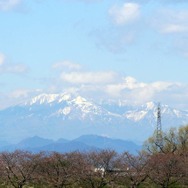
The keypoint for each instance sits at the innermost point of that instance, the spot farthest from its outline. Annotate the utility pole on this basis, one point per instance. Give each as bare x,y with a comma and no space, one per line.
159,127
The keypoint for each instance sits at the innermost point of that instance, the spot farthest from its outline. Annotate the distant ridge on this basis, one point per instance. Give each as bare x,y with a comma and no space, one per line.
83,144
108,143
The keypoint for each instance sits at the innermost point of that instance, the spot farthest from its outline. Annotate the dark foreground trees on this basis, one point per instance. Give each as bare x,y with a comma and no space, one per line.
166,170
168,162
60,170
18,168
156,166
134,169
100,169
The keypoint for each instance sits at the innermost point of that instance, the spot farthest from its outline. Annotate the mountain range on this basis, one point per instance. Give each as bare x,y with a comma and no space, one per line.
82,144
69,116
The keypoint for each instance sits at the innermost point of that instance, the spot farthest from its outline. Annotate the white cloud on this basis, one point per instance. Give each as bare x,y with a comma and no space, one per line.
131,90
7,67
173,28
2,59
89,77
131,83
14,68
19,93
6,5
172,21
17,96
66,65
127,13
123,28
112,86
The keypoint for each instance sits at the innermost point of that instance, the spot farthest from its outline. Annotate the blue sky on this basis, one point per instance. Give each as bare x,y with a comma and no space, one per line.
136,51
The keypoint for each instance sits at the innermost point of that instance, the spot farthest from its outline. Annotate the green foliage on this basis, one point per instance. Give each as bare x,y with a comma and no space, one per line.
173,141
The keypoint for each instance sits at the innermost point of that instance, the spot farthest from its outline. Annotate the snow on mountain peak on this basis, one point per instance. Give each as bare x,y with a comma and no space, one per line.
140,113
64,97
43,98
75,106
64,111
81,101
48,98
150,105
136,116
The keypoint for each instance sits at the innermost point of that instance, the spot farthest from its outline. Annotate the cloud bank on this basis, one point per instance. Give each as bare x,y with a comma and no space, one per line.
110,85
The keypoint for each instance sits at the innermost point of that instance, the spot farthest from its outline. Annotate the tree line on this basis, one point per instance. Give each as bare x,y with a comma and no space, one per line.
164,165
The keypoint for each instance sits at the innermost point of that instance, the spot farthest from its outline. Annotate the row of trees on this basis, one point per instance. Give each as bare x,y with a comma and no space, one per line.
163,165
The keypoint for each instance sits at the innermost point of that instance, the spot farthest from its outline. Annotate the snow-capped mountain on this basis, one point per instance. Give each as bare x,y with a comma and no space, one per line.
66,106
147,113
69,116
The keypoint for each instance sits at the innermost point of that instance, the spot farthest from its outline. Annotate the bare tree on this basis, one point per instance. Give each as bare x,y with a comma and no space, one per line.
100,169
165,169
19,167
134,169
60,170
